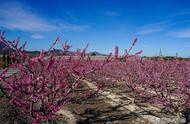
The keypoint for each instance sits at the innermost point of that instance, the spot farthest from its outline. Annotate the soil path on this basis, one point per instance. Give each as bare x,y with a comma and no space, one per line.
116,99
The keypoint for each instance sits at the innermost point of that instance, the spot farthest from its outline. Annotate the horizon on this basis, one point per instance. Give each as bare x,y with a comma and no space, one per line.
103,24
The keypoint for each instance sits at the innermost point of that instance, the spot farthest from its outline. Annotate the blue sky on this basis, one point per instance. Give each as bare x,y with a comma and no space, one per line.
103,24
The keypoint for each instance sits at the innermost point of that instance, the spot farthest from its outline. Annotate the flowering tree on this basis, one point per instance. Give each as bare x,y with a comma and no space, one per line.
165,84
46,82
116,52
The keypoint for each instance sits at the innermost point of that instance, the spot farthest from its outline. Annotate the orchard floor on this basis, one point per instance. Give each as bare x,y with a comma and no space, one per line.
91,111
113,106
96,111
107,108
9,114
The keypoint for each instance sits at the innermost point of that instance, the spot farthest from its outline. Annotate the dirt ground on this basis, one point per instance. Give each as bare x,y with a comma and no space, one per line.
112,106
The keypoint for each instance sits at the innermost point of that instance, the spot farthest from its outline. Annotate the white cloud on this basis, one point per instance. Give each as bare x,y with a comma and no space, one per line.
17,17
183,33
37,36
112,13
179,14
153,28
150,30
72,27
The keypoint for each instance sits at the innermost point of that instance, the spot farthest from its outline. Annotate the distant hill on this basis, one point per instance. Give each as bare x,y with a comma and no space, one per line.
33,52
3,48
95,54
59,52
